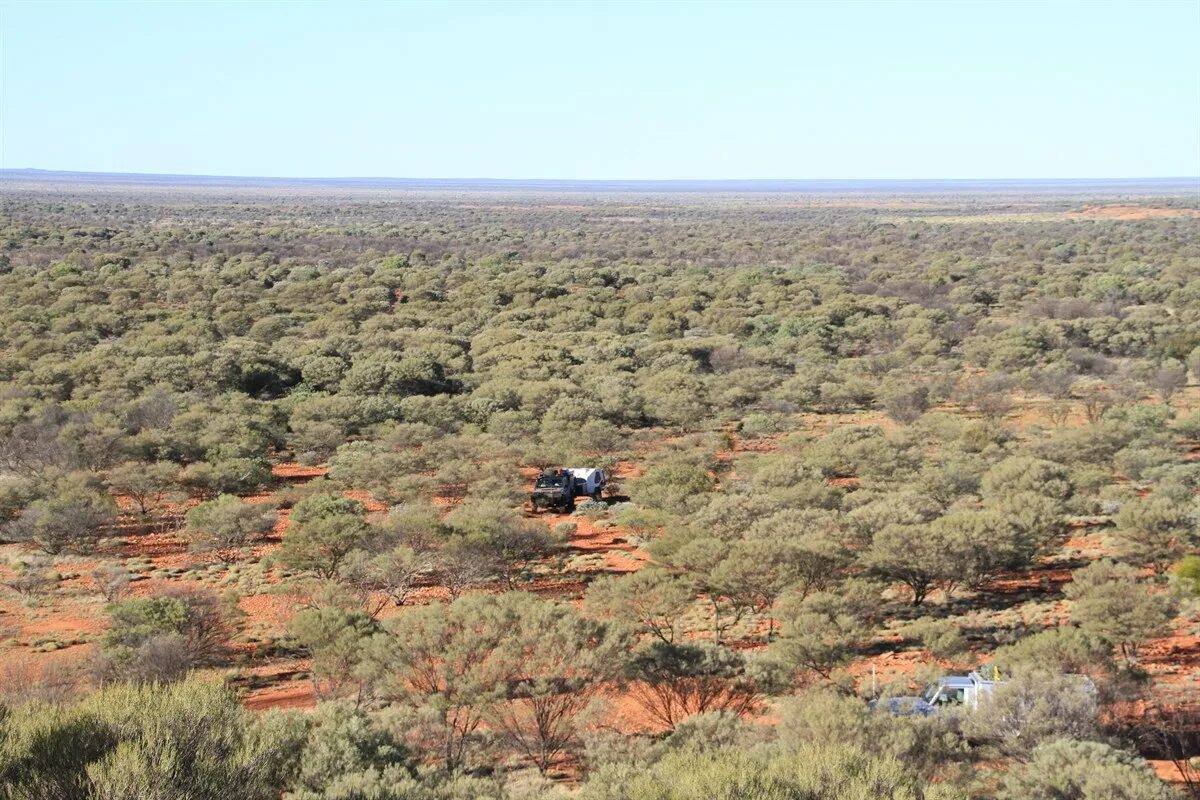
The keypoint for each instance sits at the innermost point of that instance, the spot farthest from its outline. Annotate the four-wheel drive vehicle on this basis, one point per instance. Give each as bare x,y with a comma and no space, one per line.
952,690
966,691
553,489
558,488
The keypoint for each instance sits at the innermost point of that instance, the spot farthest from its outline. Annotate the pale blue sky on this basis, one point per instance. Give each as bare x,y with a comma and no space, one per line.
606,90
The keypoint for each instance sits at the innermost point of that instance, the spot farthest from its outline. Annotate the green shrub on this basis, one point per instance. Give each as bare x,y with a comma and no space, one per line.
191,739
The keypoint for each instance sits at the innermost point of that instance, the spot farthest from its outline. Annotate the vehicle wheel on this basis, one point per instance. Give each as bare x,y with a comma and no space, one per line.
596,495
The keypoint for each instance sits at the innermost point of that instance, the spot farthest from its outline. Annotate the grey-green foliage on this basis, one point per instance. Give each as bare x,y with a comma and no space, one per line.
227,523
673,487
926,746
814,772
1033,707
1027,474
1156,530
821,631
189,740
919,556
1110,601
527,666
942,637
1064,769
651,599
675,681
325,528
338,640
1067,649
395,783
346,751
73,520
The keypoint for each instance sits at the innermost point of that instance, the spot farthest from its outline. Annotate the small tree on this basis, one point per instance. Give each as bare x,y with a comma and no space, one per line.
758,571
674,681
820,632
977,546
338,641
1096,399
912,555
904,403
73,520
225,525
511,541
325,528
1156,530
163,637
348,749
444,666
1027,474
1064,769
554,662
146,484
1064,649
653,599
673,487
1037,521
32,578
393,575
1109,601
461,565
991,394
1031,708
1168,379
806,550
111,581
233,475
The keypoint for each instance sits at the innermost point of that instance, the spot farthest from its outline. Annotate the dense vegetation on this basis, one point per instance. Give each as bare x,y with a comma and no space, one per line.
840,428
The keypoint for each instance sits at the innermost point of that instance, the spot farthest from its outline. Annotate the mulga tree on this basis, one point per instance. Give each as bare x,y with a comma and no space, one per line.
226,524
324,530
1109,600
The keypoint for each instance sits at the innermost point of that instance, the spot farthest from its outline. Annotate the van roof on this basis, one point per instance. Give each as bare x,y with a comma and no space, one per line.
959,681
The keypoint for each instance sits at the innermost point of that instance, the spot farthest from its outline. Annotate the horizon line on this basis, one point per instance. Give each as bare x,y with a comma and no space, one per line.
222,175
37,174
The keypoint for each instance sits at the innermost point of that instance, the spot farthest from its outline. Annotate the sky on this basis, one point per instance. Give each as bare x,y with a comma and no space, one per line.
670,90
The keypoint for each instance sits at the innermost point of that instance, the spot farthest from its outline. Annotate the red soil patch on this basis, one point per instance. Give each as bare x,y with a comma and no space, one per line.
168,549
276,609
372,505
291,470
21,669
890,666
625,714
1173,659
285,688
1167,771
61,623
294,695
1091,545
1046,580
613,543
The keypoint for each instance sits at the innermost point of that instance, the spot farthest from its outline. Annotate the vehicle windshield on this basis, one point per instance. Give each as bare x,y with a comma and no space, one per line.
930,693
549,483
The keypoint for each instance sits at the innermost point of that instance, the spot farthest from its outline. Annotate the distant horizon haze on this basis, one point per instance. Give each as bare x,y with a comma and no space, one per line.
1181,183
